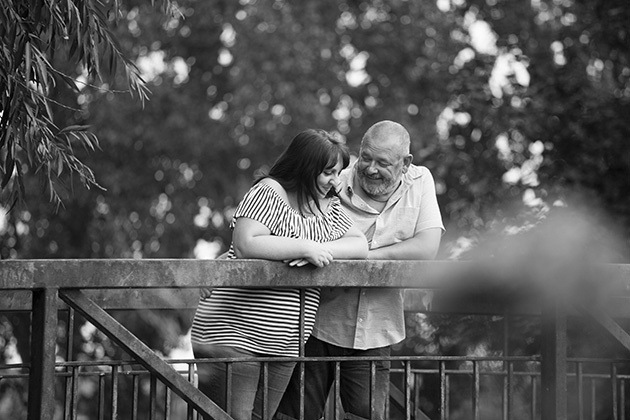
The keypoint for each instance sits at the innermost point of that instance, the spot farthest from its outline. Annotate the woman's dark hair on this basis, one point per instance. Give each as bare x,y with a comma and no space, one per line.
308,155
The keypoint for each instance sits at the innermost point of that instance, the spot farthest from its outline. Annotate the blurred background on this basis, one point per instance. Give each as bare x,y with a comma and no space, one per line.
520,108
516,107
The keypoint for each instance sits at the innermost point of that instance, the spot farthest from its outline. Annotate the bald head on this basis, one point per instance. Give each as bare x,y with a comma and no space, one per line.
390,135
383,159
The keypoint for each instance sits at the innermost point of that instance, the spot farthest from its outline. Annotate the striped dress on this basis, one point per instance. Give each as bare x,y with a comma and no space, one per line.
266,321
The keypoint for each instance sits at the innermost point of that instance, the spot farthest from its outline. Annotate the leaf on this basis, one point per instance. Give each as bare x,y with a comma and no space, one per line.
59,165
9,165
19,53
73,47
74,128
27,61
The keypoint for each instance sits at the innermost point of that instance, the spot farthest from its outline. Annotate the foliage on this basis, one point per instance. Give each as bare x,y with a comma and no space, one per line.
530,117
519,108
33,35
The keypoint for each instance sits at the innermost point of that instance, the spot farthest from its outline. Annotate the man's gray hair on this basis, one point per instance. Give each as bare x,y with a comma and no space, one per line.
386,129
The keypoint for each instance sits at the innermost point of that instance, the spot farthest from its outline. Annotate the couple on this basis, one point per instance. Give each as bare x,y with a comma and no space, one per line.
306,210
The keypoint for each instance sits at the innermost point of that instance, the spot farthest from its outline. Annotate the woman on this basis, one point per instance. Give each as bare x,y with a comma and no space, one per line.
291,215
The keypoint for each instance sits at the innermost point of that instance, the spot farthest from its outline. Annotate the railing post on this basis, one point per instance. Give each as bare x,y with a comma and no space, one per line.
554,362
41,384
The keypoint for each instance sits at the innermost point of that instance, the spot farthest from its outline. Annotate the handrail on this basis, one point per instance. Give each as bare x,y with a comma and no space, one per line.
192,273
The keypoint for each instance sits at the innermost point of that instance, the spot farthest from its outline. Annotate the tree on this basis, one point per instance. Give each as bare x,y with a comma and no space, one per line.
33,34
528,116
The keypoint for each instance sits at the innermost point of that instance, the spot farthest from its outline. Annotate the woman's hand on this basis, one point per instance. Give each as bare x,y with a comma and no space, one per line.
315,253
318,254
300,262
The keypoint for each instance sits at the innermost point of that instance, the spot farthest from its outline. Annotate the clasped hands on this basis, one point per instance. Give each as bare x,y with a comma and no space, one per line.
317,254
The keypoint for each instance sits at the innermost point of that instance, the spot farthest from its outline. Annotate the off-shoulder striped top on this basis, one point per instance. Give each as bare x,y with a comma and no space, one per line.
266,321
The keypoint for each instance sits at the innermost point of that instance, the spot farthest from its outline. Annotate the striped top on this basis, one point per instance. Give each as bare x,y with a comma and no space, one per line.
266,321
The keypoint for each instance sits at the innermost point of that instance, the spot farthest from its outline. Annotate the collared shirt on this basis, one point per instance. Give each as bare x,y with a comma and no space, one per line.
369,318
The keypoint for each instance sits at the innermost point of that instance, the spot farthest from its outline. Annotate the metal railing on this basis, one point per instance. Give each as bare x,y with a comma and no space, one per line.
547,386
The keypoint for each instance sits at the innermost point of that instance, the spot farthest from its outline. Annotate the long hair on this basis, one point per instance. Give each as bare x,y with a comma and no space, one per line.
307,156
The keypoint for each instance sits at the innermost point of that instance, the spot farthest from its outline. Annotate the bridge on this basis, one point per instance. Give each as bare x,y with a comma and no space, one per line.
547,385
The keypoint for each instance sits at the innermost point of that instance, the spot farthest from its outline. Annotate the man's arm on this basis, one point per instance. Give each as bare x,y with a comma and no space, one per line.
423,246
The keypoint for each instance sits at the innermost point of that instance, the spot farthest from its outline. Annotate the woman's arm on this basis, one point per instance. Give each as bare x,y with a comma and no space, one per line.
352,245
423,246
252,239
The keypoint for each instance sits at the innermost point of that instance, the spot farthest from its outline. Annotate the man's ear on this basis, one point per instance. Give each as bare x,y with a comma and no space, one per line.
407,161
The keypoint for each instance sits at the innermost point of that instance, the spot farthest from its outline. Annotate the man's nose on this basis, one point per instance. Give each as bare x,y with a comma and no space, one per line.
372,168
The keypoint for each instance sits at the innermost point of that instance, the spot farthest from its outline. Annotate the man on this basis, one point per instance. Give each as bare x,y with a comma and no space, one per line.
393,202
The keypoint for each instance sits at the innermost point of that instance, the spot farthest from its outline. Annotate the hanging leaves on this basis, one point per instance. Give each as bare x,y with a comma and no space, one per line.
30,34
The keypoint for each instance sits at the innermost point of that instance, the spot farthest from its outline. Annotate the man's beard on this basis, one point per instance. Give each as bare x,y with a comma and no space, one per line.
376,187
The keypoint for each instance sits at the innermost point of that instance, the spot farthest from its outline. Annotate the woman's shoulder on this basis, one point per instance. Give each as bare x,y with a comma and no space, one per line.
275,186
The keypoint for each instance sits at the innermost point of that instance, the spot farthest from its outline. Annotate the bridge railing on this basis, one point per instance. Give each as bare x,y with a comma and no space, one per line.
92,288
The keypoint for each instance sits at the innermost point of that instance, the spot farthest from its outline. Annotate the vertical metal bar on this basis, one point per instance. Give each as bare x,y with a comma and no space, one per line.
614,391
135,381
408,385
228,387
593,399
509,390
302,376
114,392
475,390
372,389
387,394
443,391
301,349
302,317
75,393
554,362
416,397
153,398
41,393
70,369
265,396
67,407
622,400
167,404
101,396
534,395
337,385
506,380
504,391
580,389
70,332
191,379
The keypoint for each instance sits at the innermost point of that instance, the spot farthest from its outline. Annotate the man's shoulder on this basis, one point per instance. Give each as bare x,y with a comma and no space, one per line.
415,171
417,176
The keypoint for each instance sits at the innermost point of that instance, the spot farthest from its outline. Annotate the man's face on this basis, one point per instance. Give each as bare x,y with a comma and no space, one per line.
379,168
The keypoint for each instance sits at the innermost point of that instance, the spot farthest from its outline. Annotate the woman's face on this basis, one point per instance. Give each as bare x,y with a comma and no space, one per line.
329,178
